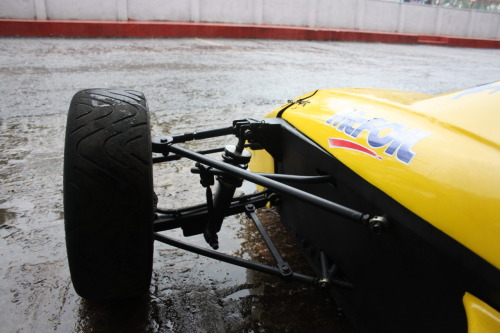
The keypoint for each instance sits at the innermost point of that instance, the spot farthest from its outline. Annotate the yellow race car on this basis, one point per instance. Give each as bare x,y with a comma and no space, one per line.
393,197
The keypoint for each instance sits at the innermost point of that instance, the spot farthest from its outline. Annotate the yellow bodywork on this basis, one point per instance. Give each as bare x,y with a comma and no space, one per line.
481,318
437,155
453,178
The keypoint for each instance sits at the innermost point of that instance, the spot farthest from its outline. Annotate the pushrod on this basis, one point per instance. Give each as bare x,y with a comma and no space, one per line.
282,264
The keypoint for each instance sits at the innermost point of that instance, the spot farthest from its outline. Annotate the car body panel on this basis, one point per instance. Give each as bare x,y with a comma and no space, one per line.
481,318
419,151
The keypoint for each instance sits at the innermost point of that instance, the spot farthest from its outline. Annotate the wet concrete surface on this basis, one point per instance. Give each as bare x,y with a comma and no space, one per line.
191,84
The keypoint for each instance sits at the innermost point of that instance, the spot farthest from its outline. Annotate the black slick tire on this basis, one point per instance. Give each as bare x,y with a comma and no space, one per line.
108,194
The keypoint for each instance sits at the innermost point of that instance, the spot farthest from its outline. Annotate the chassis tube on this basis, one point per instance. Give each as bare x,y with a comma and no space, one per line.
273,185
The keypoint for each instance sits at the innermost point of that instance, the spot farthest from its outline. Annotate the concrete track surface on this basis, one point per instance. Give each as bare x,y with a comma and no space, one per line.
191,84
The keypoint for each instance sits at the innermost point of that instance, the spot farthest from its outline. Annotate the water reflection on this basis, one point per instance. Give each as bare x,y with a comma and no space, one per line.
190,293
277,305
130,315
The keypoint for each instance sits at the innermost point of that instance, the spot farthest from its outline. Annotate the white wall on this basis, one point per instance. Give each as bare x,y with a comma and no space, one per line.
161,10
419,19
340,13
381,15
88,9
350,14
17,9
234,11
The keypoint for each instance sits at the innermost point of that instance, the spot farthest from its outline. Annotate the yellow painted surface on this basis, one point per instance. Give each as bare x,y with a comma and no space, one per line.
439,156
481,318
261,161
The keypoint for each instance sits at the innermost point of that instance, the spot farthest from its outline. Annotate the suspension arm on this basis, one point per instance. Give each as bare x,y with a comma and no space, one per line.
320,179
234,260
268,183
192,220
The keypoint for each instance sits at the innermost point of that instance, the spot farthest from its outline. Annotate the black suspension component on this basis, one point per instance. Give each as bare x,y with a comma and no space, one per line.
227,184
283,266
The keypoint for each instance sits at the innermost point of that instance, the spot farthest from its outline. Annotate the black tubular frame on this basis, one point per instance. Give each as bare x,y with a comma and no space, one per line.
234,260
272,184
193,220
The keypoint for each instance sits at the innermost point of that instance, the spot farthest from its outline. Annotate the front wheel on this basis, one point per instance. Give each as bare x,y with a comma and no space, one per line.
108,194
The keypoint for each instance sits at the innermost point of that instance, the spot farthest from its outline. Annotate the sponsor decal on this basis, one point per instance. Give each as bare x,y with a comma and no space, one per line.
397,138
491,87
347,144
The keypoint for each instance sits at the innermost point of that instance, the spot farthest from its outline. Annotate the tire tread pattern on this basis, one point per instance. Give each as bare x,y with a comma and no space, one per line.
108,194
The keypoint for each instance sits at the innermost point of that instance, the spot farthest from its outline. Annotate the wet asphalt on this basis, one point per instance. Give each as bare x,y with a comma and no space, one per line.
190,84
